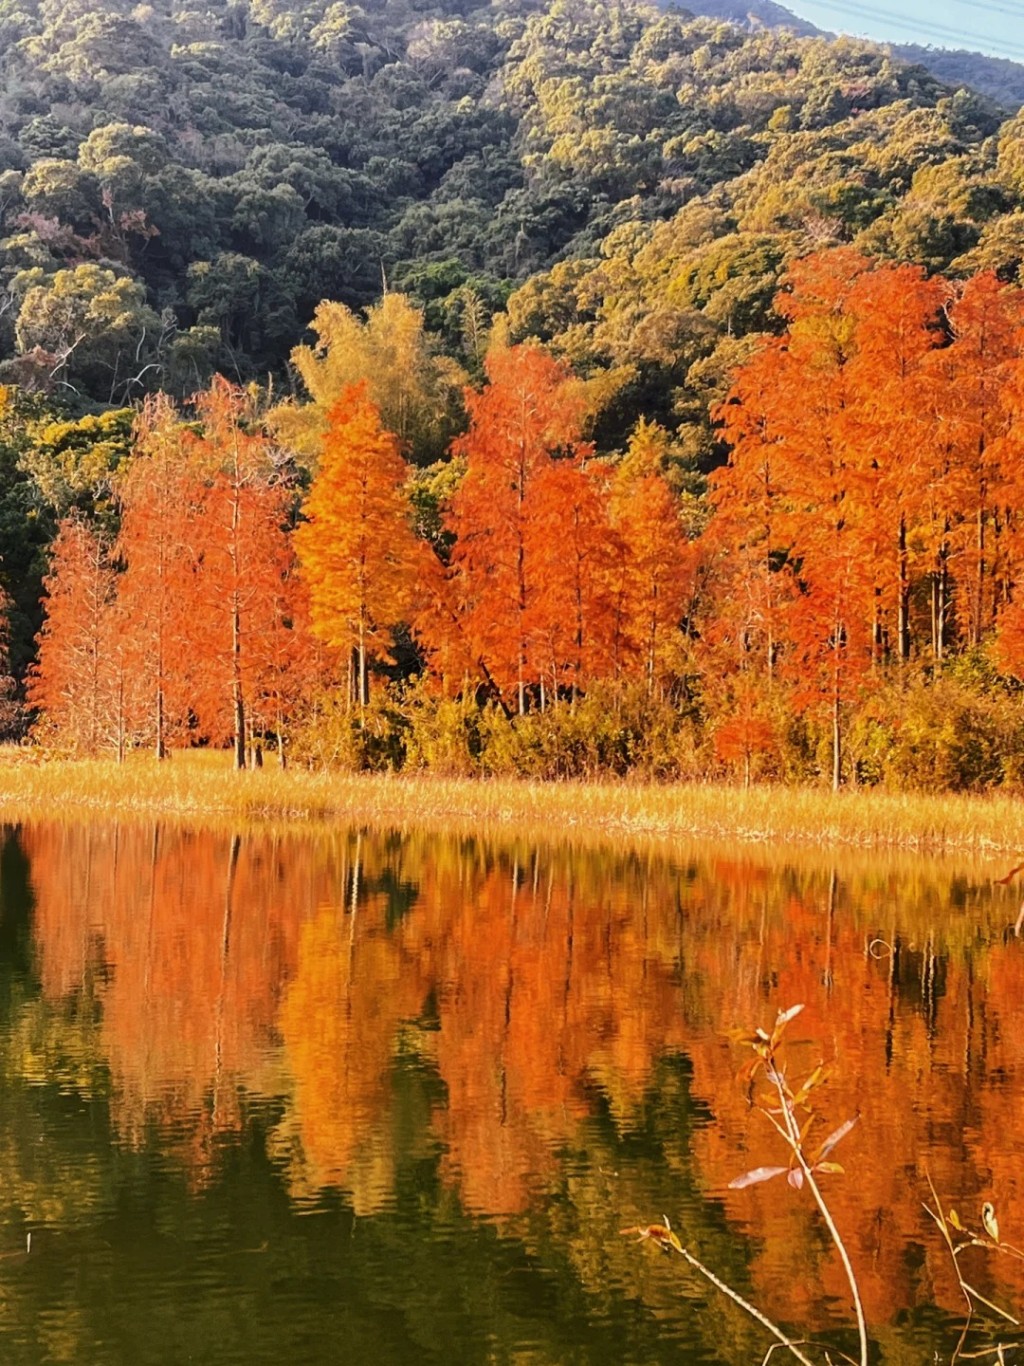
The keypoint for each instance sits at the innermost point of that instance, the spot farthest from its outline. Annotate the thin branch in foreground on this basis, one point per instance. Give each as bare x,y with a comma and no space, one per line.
668,1242
802,1169
950,1223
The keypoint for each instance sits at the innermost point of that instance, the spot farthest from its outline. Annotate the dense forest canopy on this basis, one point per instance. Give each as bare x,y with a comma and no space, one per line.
179,188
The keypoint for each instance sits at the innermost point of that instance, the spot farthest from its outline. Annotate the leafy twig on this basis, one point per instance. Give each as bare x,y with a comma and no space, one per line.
667,1240
800,1170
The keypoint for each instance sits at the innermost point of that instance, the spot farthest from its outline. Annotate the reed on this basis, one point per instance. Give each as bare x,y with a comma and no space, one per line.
202,784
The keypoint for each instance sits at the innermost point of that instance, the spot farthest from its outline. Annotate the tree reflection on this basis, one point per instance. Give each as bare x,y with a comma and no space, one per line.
561,1008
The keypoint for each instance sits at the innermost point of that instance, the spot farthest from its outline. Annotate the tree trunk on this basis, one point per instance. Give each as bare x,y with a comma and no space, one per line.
876,631
934,616
238,702
239,709
120,716
837,738
237,698
161,752
977,616
364,695
903,626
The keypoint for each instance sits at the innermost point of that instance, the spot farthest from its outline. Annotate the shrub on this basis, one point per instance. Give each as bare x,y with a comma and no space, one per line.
332,733
959,730
443,733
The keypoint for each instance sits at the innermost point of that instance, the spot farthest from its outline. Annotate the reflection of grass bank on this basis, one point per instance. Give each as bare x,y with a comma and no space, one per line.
203,785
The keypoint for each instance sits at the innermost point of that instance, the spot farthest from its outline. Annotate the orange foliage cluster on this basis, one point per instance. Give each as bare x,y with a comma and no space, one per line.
358,550
189,622
564,570
196,623
869,513
540,988
870,505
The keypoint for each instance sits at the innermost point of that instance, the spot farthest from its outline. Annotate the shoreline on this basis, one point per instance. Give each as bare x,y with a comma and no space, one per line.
197,785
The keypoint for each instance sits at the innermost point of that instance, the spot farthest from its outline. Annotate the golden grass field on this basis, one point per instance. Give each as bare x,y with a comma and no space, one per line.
202,786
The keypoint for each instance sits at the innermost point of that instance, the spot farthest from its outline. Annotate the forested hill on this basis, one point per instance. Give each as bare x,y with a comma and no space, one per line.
997,77
180,187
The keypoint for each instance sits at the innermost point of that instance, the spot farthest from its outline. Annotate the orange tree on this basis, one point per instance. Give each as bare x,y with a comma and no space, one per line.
76,682
529,410
357,548
155,590
242,557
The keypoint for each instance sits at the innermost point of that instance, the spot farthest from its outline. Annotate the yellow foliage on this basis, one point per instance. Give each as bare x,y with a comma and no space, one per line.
415,389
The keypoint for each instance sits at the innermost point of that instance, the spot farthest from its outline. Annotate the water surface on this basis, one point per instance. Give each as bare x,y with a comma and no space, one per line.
359,1097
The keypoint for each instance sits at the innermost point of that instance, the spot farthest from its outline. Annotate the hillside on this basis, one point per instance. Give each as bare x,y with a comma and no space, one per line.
997,77
179,188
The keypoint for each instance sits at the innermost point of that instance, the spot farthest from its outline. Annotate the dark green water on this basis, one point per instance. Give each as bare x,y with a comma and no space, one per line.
364,1098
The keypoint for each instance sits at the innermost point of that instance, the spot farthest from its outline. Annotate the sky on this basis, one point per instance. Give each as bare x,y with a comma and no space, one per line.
996,28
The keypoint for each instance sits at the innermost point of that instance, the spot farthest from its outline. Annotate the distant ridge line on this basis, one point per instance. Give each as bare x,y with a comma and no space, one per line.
999,78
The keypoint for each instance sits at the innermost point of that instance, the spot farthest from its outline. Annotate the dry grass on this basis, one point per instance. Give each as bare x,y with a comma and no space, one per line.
201,785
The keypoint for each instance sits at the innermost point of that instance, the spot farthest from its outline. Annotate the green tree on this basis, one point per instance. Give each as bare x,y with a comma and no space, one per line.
74,463
414,388
95,325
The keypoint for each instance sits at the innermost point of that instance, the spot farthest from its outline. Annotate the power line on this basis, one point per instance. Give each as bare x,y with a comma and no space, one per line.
860,10
1013,11
943,31
940,31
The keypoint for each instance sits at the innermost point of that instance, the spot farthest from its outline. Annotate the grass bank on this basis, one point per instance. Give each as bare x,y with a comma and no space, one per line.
203,786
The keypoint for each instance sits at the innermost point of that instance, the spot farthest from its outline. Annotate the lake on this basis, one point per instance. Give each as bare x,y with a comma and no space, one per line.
351,1096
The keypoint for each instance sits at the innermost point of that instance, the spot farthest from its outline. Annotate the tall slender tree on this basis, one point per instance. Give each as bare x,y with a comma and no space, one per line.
574,550
75,683
749,582
897,313
528,411
358,551
985,318
804,421
655,581
242,556
159,494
